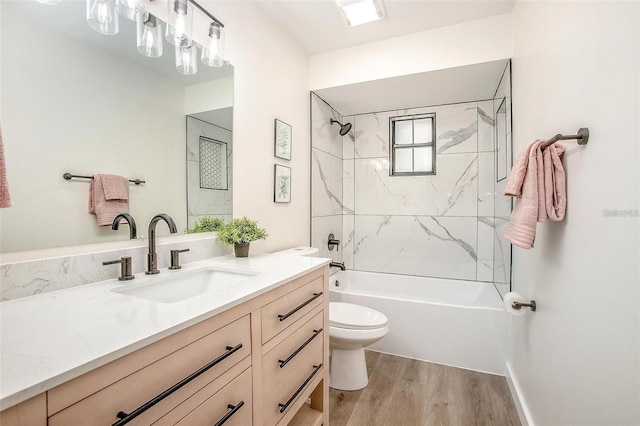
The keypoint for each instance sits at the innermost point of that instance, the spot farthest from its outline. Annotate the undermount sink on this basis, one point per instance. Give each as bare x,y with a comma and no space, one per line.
171,287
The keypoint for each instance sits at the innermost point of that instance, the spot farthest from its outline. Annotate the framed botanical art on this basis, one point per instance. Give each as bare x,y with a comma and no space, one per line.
282,184
282,140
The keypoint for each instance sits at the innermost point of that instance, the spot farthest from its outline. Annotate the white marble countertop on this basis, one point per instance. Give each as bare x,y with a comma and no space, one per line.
54,337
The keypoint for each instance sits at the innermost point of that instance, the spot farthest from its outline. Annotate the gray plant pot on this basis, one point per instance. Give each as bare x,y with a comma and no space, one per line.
242,249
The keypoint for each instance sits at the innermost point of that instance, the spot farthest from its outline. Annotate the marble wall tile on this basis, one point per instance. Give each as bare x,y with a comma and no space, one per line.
486,126
451,192
456,126
417,245
486,236
349,140
501,253
22,279
372,134
486,183
348,186
502,203
325,136
348,239
326,184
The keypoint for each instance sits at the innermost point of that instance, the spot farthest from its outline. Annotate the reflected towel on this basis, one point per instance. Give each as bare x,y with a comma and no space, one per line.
105,210
555,182
115,187
526,183
5,196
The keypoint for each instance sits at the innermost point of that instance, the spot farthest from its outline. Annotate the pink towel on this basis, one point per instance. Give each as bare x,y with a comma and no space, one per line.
115,187
555,183
526,183
5,197
105,210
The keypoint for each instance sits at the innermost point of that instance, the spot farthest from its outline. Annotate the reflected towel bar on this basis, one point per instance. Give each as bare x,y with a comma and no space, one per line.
69,176
582,137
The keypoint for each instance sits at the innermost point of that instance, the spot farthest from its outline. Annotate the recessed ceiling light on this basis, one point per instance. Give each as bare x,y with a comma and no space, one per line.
357,12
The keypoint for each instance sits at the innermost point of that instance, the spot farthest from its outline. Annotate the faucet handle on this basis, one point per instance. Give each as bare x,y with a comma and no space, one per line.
333,242
125,268
175,258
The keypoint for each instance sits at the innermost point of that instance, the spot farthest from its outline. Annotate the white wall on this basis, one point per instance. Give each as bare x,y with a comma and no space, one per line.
271,76
473,42
576,360
67,107
216,94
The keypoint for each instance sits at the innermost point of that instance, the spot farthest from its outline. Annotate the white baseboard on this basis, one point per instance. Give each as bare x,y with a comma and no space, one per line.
518,400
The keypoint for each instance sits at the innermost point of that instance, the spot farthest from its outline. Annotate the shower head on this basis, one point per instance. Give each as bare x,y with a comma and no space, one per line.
344,128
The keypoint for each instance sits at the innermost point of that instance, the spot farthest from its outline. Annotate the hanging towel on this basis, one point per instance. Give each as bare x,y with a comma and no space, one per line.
526,183
115,187
555,182
105,210
5,197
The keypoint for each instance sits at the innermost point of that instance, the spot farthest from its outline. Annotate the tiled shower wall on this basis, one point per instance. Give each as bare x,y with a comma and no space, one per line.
438,226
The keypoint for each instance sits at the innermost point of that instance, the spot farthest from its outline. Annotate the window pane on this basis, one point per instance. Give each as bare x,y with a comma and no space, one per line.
423,129
404,160
423,161
404,132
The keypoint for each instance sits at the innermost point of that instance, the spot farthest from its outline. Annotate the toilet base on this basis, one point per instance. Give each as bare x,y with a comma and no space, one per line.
348,369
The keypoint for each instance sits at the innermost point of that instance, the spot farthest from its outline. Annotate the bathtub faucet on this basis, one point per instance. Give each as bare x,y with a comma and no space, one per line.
338,265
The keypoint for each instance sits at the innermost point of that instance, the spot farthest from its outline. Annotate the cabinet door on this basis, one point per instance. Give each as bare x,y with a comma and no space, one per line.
230,406
137,389
284,311
32,412
289,365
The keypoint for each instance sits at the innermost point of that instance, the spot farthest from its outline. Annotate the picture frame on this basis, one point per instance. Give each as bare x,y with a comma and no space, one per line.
282,184
282,139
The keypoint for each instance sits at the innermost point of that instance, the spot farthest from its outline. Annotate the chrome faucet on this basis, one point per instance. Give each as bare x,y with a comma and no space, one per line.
338,265
133,233
152,256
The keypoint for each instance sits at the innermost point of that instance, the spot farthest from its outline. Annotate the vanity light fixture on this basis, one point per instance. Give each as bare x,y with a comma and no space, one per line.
187,58
102,16
131,8
357,12
149,35
179,22
213,52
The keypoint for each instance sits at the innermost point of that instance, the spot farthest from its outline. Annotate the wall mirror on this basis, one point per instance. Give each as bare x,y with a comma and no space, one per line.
77,101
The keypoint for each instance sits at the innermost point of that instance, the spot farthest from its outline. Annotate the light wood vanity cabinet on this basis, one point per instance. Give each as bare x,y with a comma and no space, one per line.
261,363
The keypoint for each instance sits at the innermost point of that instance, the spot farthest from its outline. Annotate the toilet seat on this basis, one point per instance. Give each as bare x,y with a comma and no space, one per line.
355,317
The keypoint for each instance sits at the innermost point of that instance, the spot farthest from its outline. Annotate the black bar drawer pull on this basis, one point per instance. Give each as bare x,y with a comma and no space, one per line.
126,418
284,406
297,351
234,409
288,314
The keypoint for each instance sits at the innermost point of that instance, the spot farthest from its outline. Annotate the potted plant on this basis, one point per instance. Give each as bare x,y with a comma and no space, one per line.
239,233
206,224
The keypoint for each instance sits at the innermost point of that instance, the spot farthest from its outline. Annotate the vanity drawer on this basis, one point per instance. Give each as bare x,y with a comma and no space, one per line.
228,346
300,354
234,402
284,311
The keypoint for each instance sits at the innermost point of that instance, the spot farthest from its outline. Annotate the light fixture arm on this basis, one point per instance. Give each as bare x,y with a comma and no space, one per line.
206,12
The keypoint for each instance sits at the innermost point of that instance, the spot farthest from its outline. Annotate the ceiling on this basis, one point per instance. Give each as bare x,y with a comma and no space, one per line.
317,25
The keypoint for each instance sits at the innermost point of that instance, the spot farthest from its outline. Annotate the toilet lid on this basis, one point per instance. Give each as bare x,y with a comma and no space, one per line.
348,315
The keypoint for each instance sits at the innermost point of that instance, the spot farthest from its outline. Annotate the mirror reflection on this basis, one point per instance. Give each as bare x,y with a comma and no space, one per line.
75,101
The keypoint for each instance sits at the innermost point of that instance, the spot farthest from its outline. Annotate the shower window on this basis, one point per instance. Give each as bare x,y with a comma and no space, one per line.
413,145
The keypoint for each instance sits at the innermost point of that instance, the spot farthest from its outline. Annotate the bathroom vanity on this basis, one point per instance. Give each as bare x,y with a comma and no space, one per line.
253,352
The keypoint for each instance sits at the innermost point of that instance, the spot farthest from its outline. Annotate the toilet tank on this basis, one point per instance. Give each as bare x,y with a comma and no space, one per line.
300,251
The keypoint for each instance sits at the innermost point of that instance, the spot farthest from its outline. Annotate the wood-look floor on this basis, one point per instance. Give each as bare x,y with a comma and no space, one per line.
407,392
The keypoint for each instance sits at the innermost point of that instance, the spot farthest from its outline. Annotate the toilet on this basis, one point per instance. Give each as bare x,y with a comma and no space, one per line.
351,329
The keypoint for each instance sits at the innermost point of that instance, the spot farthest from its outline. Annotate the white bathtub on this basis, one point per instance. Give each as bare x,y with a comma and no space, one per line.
459,323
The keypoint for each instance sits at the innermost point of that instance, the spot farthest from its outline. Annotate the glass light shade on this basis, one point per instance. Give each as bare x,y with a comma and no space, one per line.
187,58
102,16
50,2
149,35
213,51
179,22
131,8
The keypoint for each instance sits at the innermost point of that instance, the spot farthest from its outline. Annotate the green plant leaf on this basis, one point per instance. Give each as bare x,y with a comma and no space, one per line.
242,230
